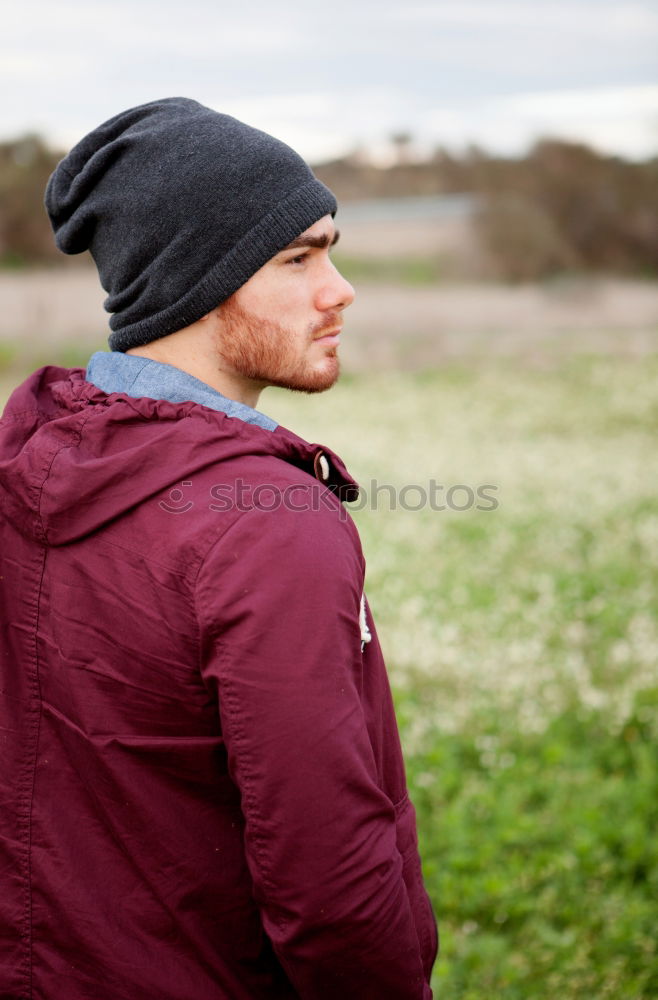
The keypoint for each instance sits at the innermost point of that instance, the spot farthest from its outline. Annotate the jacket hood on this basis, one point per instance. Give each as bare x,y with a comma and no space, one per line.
73,458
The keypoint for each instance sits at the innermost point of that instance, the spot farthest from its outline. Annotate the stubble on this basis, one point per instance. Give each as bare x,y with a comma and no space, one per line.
268,353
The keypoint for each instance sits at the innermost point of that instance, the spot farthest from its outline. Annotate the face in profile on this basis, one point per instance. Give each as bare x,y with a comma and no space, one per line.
282,327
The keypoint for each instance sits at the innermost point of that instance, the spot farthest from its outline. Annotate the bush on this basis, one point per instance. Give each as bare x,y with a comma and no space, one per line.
522,240
25,233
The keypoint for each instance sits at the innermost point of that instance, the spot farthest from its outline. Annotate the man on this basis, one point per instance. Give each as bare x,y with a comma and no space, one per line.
203,791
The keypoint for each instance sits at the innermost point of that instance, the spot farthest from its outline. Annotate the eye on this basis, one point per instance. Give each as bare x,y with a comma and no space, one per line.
299,259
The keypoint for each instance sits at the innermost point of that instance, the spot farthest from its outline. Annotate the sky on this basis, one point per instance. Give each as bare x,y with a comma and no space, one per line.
332,77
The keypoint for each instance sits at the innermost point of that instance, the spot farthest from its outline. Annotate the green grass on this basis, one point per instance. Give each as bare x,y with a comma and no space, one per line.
8,357
16,360
522,644
540,854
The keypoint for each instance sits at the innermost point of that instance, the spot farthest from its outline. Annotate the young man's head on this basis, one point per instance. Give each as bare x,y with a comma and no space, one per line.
212,240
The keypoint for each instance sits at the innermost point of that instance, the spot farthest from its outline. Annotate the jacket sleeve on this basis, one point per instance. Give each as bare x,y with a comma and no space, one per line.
278,601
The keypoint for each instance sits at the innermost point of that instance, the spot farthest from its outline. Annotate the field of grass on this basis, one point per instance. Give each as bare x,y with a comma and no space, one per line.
522,643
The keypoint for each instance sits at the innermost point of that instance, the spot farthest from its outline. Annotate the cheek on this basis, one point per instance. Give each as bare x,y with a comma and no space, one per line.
266,292
258,347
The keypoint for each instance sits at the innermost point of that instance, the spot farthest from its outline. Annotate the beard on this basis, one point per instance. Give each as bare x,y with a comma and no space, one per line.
268,353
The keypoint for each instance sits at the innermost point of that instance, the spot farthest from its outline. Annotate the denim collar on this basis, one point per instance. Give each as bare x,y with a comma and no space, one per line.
136,376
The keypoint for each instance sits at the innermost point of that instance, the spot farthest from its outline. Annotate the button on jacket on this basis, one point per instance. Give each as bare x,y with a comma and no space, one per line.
203,794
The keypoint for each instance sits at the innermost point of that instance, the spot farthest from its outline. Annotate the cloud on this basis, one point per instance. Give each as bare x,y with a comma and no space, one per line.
602,101
497,72
323,125
612,119
565,17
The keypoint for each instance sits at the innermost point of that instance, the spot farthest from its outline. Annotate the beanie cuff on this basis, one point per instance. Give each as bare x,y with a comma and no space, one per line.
268,237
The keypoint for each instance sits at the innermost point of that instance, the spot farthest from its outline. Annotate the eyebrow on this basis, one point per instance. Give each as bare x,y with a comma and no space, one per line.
318,242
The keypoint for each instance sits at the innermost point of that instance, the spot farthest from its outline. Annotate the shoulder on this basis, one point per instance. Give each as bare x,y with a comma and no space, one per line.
286,517
298,545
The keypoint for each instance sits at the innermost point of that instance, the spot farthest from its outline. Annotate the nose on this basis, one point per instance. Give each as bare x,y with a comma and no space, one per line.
335,292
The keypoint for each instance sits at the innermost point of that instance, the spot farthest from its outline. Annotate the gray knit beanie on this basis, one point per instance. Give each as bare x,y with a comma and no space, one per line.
179,206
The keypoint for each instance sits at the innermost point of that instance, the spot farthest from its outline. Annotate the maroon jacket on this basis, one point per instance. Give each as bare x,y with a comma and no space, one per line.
203,795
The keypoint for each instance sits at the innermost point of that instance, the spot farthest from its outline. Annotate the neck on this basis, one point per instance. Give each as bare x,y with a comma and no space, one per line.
191,351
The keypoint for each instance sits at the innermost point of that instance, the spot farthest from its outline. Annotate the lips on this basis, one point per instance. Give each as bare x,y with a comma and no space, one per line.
330,335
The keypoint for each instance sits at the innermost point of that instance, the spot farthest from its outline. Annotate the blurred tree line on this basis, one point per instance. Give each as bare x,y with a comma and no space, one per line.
25,234
561,208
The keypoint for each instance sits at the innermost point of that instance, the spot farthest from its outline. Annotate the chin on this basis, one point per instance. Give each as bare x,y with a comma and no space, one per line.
315,380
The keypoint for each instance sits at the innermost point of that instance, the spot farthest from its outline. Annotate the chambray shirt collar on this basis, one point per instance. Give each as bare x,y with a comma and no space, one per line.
135,376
